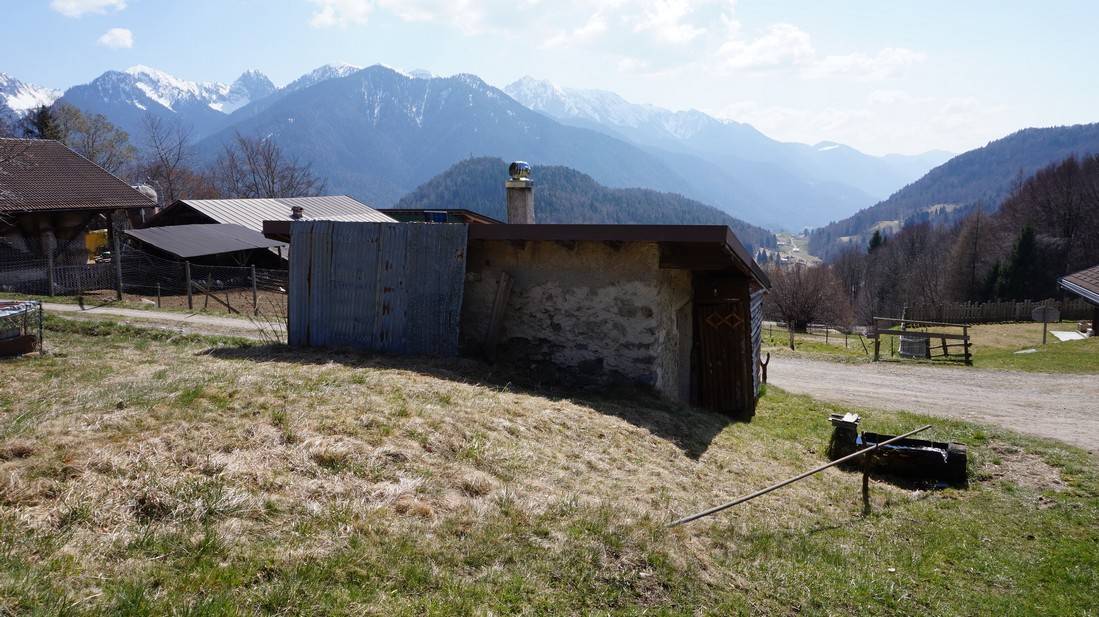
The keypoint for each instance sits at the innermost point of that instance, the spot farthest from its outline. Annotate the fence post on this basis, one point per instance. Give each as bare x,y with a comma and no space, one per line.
187,269
255,300
158,294
49,271
116,257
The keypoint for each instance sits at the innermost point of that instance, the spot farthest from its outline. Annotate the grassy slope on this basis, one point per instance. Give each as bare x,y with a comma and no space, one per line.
141,474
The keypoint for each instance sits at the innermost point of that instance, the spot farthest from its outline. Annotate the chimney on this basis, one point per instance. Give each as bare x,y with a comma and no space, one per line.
296,212
520,190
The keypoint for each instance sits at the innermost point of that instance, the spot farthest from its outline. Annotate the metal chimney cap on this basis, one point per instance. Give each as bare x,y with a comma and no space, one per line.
519,170
296,212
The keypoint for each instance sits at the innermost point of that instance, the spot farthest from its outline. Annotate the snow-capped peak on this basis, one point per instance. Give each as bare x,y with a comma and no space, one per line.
20,97
594,105
322,73
169,90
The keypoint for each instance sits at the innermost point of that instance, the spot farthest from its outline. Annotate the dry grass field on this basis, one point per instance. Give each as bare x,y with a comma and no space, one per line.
147,473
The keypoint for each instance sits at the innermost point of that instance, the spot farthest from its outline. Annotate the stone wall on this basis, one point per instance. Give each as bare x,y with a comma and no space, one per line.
603,310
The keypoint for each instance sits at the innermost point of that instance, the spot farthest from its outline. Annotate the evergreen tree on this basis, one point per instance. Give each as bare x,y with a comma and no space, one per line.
875,241
41,124
1021,277
991,285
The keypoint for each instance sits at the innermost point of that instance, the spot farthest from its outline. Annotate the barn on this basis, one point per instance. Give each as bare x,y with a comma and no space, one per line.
675,308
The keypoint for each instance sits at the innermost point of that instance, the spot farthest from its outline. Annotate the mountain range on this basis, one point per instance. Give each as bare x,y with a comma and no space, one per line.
774,182
377,133
18,97
983,176
564,195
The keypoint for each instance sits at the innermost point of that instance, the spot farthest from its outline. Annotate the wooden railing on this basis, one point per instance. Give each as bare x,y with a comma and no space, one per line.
917,329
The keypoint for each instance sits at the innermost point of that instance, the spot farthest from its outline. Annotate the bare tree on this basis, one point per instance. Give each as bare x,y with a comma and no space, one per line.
802,295
255,167
168,159
95,138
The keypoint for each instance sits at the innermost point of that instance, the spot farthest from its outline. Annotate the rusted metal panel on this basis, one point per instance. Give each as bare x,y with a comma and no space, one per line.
393,287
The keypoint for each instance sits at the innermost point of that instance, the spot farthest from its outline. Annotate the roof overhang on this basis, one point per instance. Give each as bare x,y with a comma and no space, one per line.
1090,295
199,240
693,247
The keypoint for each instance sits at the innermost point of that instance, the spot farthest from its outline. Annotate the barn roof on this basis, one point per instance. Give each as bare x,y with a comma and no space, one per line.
1084,283
38,175
197,240
251,213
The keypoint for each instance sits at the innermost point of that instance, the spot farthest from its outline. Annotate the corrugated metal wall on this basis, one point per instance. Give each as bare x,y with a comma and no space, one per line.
393,287
757,335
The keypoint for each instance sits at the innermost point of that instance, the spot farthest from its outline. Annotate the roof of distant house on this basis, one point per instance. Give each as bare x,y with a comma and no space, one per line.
251,213
445,215
205,239
39,175
1084,283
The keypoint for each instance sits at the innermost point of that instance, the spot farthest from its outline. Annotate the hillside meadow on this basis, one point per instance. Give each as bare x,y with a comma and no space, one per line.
144,473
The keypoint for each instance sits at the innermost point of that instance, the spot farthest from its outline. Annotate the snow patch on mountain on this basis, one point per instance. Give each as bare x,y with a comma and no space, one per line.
170,91
18,97
322,73
602,107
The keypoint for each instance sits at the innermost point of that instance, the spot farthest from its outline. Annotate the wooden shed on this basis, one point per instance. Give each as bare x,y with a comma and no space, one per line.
676,308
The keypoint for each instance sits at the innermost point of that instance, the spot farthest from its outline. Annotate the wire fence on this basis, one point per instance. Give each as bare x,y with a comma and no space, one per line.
236,289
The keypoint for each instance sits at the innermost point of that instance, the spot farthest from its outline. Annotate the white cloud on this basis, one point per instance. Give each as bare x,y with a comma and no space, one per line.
77,8
466,15
667,20
787,47
781,45
882,122
341,13
117,38
886,63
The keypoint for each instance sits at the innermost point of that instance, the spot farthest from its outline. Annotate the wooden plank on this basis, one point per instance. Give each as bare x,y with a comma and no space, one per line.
496,318
918,334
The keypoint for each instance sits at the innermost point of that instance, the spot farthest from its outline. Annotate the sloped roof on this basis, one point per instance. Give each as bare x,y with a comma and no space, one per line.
1084,283
251,213
198,240
41,175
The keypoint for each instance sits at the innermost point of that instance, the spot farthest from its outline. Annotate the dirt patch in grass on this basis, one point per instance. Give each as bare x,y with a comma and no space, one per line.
1014,464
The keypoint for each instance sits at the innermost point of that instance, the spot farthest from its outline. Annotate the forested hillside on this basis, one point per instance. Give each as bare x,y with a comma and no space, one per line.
983,176
564,195
1047,227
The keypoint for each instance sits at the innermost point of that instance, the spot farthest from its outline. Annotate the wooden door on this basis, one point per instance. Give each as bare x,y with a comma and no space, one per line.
722,332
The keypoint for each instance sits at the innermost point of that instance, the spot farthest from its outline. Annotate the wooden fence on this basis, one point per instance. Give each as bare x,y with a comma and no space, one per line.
992,312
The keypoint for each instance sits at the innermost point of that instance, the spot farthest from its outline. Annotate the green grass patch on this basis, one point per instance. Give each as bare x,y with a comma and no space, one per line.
370,485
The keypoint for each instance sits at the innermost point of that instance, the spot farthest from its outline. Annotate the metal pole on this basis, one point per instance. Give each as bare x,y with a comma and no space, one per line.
116,257
187,269
740,500
255,300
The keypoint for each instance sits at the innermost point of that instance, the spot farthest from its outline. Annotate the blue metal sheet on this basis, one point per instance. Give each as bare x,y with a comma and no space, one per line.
393,287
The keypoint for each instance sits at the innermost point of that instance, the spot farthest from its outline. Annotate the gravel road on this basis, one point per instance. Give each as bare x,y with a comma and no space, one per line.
185,323
1064,407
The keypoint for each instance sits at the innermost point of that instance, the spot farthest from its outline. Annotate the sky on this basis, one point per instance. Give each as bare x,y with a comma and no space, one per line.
883,77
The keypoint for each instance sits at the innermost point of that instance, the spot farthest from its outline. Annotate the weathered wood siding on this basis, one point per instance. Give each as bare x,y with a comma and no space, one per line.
393,287
757,335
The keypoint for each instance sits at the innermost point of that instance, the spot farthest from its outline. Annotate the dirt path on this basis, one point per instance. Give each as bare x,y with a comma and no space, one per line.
1064,407
186,323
